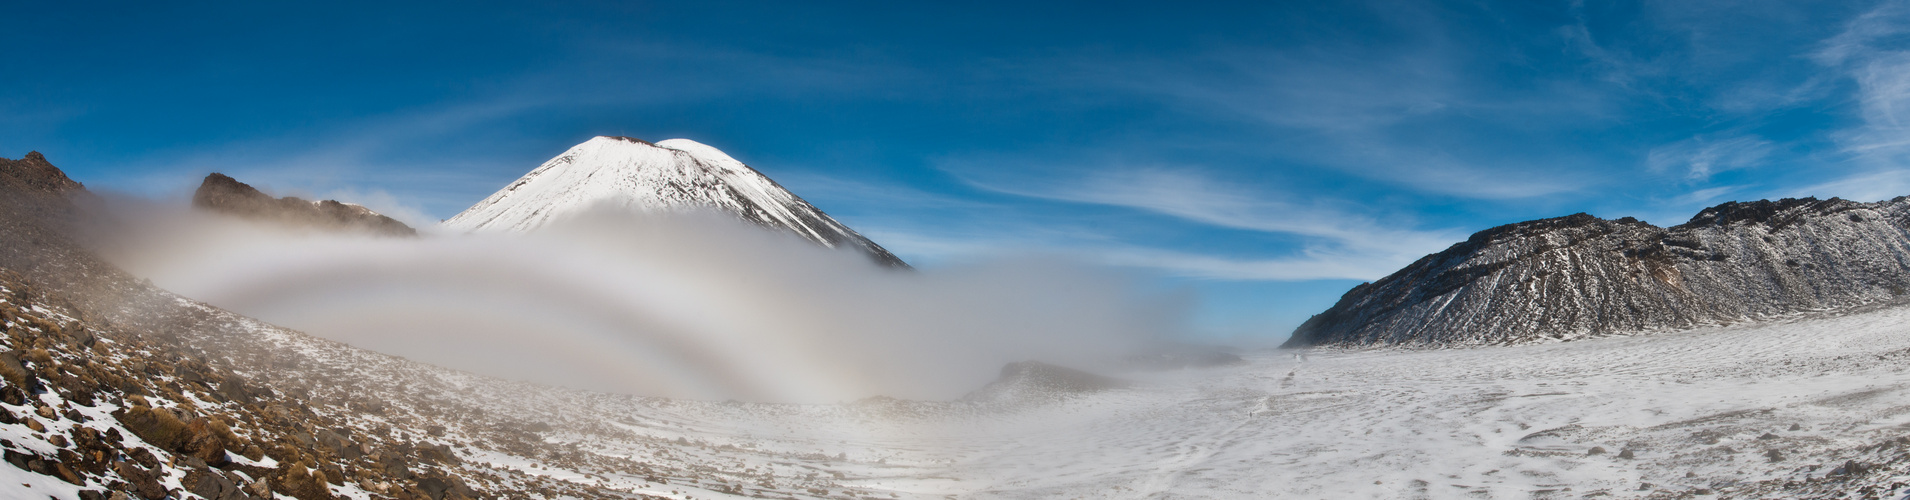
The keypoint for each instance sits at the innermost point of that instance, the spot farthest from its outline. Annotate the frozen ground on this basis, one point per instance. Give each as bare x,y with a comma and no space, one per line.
1699,413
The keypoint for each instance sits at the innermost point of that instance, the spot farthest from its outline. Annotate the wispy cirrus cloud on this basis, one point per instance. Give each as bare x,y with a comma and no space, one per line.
1702,156
1330,240
1337,242
440,157
1870,53
1313,264
1394,117
944,244
1190,196
1874,185
373,162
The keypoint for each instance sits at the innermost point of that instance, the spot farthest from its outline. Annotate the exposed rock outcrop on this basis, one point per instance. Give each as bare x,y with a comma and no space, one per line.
1579,275
223,194
32,174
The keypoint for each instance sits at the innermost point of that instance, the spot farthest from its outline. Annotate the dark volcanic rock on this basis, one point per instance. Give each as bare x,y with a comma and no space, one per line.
1580,275
220,193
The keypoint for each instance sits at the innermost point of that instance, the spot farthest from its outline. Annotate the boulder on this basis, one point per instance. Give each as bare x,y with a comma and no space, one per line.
143,482
155,425
207,439
15,372
212,485
434,486
299,482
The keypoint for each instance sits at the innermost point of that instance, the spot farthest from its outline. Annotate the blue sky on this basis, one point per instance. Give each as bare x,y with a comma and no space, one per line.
1266,155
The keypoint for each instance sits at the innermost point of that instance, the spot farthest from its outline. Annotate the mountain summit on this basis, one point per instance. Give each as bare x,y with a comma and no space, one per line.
33,174
1579,275
676,174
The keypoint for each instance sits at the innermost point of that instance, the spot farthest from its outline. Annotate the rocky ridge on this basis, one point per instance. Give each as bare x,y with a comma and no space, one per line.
1579,275
32,174
223,194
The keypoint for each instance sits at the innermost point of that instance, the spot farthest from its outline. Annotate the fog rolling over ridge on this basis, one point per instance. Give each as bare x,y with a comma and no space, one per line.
679,304
666,269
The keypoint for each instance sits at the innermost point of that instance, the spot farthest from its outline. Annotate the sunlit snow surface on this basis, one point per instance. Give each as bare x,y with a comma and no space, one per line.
676,174
1501,422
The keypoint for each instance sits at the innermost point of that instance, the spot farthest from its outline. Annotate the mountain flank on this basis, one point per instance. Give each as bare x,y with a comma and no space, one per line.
1579,275
111,388
223,194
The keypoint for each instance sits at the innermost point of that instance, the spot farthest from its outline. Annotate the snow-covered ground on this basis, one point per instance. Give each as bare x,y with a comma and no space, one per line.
1696,413
1759,410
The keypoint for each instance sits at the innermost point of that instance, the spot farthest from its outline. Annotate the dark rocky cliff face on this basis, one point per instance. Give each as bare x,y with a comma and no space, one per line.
224,194
1579,275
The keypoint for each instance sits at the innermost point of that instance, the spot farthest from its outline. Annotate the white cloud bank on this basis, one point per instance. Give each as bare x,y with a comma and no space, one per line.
682,306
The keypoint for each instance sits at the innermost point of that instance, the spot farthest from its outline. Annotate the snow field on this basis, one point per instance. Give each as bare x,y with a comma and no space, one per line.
1697,411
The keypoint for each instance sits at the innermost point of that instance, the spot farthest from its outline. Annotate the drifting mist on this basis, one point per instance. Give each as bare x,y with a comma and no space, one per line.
687,305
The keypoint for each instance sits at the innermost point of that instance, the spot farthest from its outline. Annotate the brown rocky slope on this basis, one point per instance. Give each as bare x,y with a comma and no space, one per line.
122,390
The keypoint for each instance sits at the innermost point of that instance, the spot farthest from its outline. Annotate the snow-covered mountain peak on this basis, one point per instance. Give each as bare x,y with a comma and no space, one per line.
671,175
